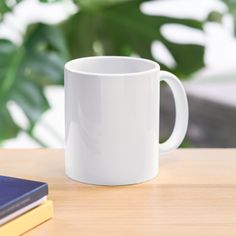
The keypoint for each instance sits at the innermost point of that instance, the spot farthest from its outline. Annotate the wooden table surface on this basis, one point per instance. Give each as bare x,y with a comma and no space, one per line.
194,194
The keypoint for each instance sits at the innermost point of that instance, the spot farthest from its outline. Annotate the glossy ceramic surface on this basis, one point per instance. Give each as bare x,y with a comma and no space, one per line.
112,119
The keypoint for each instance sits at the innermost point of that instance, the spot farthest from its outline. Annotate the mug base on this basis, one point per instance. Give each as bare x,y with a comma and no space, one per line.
112,183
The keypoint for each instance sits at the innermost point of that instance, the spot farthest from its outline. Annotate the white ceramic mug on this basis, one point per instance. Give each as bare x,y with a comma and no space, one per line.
112,119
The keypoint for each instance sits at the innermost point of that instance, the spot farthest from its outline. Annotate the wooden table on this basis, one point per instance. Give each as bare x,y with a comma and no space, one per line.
194,194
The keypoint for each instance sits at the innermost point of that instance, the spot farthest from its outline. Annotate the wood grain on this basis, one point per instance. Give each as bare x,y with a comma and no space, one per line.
194,194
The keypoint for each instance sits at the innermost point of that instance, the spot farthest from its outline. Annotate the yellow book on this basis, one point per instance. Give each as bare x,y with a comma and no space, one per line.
28,220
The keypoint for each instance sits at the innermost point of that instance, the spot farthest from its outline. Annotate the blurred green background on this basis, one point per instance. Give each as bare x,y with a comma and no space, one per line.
35,61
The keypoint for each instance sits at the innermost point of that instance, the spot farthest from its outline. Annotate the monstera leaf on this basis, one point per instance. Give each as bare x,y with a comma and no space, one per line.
101,27
232,10
7,6
25,70
120,28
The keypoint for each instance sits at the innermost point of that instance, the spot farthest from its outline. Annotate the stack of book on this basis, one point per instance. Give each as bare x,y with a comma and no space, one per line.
23,205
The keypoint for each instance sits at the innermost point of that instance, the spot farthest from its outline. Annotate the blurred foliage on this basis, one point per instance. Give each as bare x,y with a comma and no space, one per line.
122,29
101,27
7,6
24,72
232,10
215,16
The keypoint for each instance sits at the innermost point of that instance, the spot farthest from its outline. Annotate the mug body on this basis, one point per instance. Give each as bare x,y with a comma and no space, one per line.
112,120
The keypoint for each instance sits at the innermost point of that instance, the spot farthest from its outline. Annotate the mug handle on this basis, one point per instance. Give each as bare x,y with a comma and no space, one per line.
181,111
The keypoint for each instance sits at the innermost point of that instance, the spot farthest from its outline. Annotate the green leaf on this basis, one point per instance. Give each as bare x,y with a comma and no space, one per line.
215,16
48,1
80,35
122,29
189,58
91,5
31,99
4,7
7,6
232,10
26,70
8,128
101,27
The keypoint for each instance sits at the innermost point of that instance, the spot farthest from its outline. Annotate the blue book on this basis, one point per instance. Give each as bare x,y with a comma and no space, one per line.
16,194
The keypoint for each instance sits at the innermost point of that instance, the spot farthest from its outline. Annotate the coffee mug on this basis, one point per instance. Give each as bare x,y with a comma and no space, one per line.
112,119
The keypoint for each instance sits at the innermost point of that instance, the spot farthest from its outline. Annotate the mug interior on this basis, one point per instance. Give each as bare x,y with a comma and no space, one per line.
111,65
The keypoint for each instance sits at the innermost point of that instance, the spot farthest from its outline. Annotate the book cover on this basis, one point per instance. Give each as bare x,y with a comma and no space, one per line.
17,193
28,220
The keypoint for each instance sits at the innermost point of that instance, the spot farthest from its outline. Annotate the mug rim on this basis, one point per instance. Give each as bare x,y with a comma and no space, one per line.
155,66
